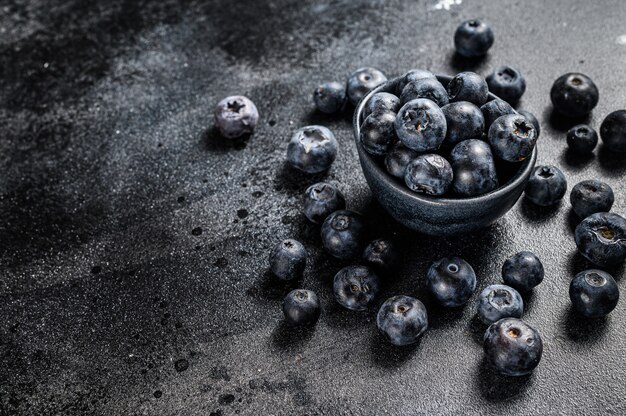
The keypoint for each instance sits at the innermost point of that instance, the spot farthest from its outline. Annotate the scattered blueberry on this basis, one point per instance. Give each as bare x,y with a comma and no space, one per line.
430,174
512,347
613,131
473,167
301,307
236,116
523,271
429,88
312,149
378,132
582,139
381,101
397,158
451,280
531,117
547,186
288,260
601,238
381,255
507,83
498,302
591,196
343,234
512,137
473,38
574,95
468,86
495,109
594,293
412,75
362,81
420,125
464,121
321,200
330,97
356,287
402,320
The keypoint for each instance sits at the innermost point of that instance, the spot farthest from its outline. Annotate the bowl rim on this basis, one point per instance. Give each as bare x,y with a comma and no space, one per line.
520,176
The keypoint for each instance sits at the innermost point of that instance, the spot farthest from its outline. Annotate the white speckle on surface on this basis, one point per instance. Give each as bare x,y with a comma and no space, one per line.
447,4
621,40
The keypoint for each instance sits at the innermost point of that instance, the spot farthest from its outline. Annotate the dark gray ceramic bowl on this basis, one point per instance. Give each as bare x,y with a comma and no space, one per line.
438,216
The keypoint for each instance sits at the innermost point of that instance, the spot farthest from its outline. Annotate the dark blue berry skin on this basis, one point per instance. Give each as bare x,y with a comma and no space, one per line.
591,196
321,200
593,293
473,38
430,174
362,81
582,139
574,95
495,109
378,132
531,117
398,157
288,260
523,271
473,167
498,302
402,320
356,287
429,88
601,238
381,101
343,234
512,138
312,149
507,83
613,131
468,86
301,307
464,121
381,255
512,347
452,281
547,186
421,125
330,97
236,116
412,75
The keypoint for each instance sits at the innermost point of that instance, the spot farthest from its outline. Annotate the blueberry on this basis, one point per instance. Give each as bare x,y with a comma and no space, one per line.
507,83
288,260
420,125
362,81
236,116
591,196
343,234
495,109
312,149
356,287
321,200
468,86
473,38
412,75
301,307
601,238
451,280
330,97
523,271
430,174
574,95
582,139
429,88
594,293
378,132
402,320
547,186
473,167
613,131
512,137
381,101
531,117
381,255
397,158
498,302
512,347
464,121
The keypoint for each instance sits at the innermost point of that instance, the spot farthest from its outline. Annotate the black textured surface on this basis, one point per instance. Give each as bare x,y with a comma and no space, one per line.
134,241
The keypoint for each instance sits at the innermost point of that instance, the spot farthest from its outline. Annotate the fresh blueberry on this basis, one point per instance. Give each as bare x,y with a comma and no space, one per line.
574,95
473,38
236,116
473,167
468,86
591,196
412,75
512,137
495,109
312,149
288,260
362,81
398,157
330,97
547,186
613,131
381,255
356,287
512,347
429,88
321,200
451,280
420,125
523,271
531,117
381,101
430,174
582,139
402,320
343,234
498,302
601,238
594,293
464,121
507,83
378,132
301,307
